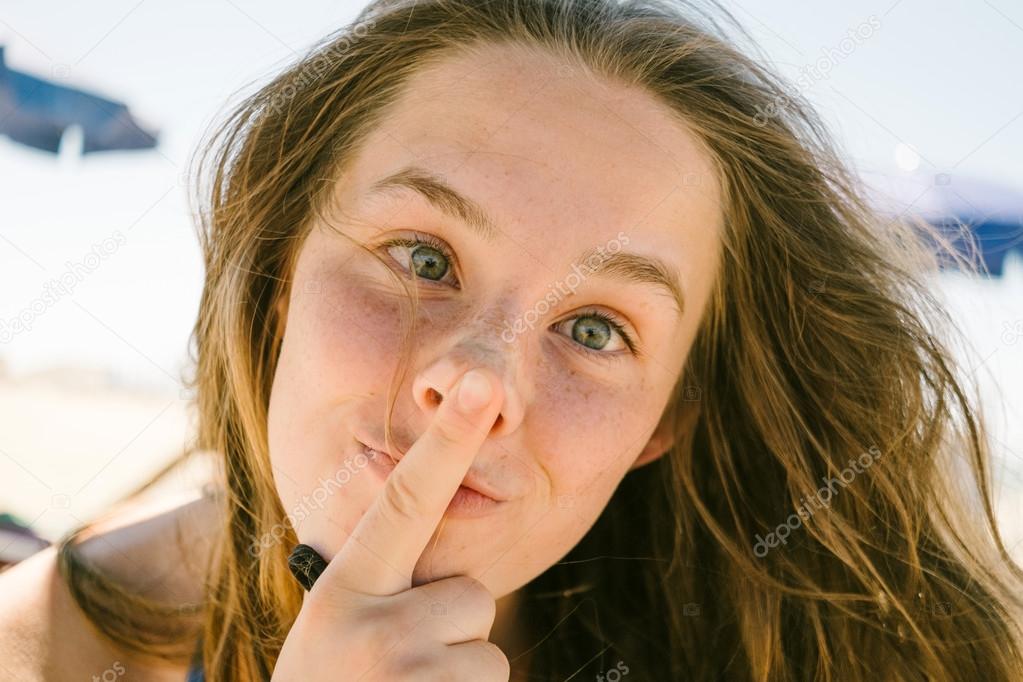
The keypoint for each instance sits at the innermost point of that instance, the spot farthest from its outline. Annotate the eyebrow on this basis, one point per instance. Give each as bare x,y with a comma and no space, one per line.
620,266
443,196
625,266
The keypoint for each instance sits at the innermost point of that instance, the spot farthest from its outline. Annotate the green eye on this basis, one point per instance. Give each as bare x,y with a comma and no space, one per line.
592,332
423,255
598,333
429,263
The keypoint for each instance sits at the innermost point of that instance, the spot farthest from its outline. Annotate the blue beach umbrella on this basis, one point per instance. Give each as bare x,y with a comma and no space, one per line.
990,212
36,112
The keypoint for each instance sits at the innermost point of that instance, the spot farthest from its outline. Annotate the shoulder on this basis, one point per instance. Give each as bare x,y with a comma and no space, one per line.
157,551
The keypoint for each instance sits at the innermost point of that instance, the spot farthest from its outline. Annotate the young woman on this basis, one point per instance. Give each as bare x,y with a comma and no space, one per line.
559,329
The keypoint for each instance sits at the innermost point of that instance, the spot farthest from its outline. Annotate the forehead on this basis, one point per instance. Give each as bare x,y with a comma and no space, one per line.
555,153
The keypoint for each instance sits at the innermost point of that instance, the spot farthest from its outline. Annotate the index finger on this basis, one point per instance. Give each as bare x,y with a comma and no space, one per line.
381,553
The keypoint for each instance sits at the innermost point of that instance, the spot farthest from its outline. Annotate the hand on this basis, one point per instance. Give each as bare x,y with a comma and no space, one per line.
362,619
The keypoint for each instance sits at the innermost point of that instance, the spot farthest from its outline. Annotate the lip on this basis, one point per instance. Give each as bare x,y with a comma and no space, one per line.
474,495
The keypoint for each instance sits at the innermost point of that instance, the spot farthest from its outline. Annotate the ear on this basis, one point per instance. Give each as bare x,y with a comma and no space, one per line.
654,450
663,437
281,309
658,444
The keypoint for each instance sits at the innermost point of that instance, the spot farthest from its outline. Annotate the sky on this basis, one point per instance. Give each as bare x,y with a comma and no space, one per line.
904,85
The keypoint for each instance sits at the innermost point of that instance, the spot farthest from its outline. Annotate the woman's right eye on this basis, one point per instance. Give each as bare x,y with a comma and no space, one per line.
425,256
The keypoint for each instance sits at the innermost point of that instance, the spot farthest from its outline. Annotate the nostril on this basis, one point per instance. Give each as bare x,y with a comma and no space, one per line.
434,397
497,423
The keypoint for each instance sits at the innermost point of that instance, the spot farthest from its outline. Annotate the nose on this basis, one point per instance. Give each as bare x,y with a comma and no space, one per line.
436,381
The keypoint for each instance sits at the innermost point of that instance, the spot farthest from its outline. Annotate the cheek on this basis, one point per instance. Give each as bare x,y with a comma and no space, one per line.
349,332
592,432
353,333
585,445
341,342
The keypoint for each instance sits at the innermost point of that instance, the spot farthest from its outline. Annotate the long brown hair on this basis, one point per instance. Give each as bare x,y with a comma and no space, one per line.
822,352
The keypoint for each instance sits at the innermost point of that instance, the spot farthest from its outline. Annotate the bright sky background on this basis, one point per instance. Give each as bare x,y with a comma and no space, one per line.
935,87
940,77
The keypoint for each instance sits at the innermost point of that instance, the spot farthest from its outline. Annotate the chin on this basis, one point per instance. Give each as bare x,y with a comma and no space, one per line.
430,569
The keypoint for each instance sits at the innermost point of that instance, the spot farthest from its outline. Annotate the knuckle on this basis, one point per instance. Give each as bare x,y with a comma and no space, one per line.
378,631
406,613
453,429
475,594
414,664
501,664
402,497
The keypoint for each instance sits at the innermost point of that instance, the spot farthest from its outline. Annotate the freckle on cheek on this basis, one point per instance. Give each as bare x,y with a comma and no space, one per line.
359,313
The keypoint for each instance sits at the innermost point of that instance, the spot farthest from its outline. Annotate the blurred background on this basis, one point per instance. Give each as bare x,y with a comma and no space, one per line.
102,104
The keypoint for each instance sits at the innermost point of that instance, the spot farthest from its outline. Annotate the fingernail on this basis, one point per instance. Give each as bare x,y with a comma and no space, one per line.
474,391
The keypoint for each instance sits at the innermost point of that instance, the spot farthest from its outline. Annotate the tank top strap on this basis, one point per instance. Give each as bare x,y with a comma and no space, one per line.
195,671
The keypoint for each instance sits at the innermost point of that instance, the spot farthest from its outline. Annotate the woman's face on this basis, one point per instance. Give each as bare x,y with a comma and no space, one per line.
557,166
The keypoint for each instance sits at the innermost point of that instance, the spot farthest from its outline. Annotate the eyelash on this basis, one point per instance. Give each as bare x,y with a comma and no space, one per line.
611,320
616,325
428,240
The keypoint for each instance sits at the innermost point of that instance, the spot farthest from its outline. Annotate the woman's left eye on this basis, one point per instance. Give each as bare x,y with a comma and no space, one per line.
597,332
425,256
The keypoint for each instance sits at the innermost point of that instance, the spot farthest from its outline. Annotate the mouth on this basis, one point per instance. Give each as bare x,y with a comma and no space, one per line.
473,490
378,455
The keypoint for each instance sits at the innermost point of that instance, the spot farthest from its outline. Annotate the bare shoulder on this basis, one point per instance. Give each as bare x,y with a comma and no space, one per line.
158,551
